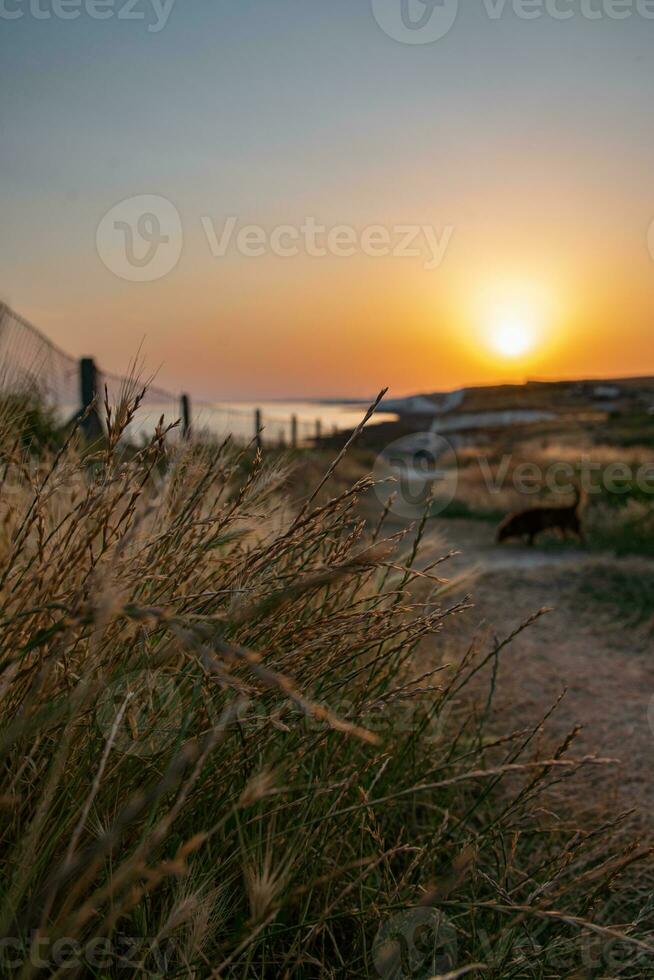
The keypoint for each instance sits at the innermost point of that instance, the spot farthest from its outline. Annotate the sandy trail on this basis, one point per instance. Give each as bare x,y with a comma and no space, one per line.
602,661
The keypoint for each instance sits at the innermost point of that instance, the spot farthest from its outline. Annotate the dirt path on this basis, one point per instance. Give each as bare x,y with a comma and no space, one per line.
587,646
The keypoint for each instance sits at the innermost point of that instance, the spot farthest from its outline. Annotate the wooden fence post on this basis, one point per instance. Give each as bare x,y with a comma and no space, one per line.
186,416
294,431
257,427
318,430
88,374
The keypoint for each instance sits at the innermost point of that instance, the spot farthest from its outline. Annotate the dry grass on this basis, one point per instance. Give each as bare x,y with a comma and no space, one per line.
499,478
215,747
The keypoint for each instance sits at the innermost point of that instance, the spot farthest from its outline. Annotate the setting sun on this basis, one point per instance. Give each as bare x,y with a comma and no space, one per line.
512,338
516,319
301,304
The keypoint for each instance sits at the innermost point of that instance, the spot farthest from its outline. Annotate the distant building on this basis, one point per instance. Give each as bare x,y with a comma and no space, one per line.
606,392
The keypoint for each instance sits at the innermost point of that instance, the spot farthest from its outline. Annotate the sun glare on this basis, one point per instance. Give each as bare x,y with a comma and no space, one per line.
512,337
513,322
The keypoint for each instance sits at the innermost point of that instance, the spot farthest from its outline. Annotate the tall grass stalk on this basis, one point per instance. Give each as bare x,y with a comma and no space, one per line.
230,747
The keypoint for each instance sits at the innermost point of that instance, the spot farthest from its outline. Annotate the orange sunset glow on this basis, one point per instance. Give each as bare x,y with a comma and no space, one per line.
327,489
536,259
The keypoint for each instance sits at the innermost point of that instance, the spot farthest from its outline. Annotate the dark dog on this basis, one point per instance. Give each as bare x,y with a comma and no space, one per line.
537,519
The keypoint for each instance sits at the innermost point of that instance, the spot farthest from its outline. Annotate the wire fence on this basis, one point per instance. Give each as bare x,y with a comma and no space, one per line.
30,361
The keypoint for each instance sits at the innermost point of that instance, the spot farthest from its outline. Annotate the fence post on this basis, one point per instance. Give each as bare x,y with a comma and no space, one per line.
186,415
88,391
257,427
294,431
318,430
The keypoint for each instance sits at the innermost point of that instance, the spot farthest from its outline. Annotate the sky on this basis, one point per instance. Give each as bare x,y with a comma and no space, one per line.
236,184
